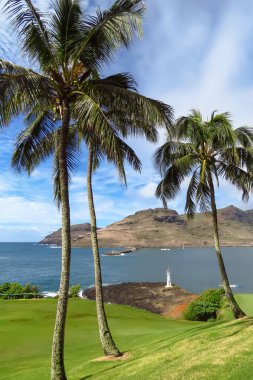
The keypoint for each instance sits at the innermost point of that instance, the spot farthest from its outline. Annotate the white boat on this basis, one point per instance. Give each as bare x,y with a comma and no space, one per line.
233,286
165,249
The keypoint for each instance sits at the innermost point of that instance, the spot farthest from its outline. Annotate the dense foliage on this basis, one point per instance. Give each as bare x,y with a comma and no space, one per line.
206,305
74,290
16,290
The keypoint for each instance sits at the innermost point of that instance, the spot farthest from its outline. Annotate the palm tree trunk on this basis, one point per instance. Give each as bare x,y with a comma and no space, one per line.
237,312
57,362
106,339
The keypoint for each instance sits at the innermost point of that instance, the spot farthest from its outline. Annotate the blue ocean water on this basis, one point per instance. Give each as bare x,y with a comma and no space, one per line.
195,269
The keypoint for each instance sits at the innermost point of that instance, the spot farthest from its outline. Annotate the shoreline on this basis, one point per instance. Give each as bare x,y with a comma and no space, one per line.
145,247
150,296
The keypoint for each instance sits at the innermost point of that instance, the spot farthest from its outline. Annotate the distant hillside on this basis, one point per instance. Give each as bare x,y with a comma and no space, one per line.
166,228
78,231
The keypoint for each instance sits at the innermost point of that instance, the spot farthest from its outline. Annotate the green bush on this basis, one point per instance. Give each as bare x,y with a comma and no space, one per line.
5,287
206,306
16,290
73,290
32,289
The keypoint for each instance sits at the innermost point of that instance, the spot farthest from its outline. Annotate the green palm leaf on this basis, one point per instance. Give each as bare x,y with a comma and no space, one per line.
218,151
33,30
107,31
35,143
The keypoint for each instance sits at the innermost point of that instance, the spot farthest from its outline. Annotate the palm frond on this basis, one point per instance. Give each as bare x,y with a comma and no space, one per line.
190,128
20,89
121,80
203,194
130,125
34,33
244,136
116,151
169,152
221,131
34,144
66,24
190,204
145,110
237,176
170,185
132,121
107,31
240,156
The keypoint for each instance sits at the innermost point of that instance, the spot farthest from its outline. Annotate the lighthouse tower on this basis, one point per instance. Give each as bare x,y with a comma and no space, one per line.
169,284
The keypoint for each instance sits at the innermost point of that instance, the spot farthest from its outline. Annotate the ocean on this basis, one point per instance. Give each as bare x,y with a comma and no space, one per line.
195,269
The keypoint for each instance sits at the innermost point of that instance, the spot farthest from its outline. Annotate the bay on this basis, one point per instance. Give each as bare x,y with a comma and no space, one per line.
195,269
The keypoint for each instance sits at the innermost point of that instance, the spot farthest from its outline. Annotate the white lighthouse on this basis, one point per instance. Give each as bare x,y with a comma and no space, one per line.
169,284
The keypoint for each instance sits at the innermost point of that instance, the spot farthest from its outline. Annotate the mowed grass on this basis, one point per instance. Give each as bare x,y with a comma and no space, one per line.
159,348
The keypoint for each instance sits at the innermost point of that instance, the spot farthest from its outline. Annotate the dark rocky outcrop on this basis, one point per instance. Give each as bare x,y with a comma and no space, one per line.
119,253
150,296
170,219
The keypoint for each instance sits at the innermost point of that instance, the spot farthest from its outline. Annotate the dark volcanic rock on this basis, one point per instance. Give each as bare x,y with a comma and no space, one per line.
150,296
119,253
169,219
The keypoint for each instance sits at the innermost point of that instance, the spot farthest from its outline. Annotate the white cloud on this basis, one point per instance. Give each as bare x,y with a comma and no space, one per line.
193,54
148,191
78,183
28,215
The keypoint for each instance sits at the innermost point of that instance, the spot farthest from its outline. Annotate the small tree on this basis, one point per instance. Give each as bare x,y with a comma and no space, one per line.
74,290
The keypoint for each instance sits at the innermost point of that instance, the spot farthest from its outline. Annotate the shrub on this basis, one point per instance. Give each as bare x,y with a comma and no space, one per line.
73,290
16,290
5,287
206,306
28,288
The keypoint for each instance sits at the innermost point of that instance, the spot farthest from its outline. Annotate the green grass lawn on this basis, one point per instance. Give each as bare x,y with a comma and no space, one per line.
160,348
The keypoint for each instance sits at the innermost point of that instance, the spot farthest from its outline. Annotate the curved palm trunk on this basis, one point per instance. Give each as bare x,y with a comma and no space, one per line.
106,339
57,362
237,312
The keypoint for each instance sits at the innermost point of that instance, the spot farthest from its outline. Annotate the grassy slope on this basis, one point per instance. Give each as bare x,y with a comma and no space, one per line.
161,349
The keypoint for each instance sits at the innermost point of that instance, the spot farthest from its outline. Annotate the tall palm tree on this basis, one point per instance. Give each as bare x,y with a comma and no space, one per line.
206,151
122,150
35,143
65,47
115,150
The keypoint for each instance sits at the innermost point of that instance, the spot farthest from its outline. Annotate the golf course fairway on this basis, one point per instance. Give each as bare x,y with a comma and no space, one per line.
158,348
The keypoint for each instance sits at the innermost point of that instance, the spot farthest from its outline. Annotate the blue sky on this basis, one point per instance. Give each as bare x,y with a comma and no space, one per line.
194,53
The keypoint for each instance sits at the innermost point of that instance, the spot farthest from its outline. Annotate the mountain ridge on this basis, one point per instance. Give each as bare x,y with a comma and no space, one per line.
160,227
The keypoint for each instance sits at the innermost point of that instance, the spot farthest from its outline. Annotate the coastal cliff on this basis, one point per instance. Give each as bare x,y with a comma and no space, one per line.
78,231
166,228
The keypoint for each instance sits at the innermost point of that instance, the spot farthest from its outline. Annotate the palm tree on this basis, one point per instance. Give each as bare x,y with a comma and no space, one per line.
206,151
111,147
35,143
65,47
106,339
